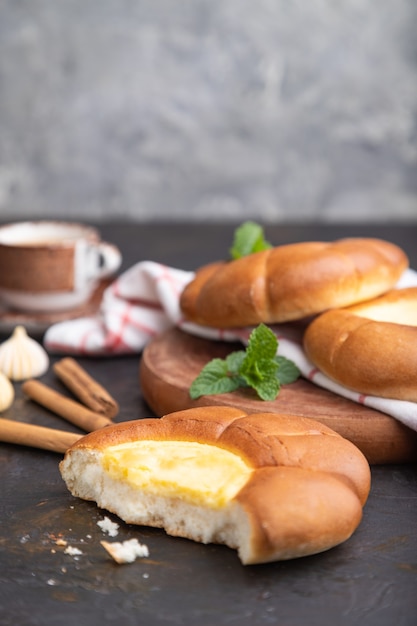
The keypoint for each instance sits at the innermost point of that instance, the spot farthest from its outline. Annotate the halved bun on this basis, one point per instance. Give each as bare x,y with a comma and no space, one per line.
270,486
371,347
292,281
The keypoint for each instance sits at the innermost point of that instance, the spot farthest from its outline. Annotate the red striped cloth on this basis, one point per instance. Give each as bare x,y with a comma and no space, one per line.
144,301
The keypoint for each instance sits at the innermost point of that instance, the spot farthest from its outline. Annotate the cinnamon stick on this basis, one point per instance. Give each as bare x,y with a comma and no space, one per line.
36,436
85,388
59,404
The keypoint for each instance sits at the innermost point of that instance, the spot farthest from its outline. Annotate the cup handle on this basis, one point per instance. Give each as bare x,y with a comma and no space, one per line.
110,259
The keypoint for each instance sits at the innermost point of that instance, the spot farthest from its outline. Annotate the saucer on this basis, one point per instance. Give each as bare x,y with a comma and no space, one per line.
38,323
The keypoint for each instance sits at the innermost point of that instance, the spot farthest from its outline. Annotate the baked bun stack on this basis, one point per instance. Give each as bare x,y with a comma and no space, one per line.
360,331
271,486
370,347
291,282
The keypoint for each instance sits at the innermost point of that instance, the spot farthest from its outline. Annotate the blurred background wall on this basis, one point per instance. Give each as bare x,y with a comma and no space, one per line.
279,110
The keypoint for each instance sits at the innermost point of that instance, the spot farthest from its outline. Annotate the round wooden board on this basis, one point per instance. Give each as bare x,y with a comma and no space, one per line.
170,363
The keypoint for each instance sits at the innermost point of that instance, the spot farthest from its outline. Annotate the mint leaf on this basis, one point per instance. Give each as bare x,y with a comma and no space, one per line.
248,238
214,378
288,372
258,367
262,376
234,361
262,344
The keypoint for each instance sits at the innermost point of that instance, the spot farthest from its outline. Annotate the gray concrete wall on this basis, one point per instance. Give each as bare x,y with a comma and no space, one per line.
280,110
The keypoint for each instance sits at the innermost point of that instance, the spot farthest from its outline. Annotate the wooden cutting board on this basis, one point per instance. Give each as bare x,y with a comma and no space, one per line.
170,363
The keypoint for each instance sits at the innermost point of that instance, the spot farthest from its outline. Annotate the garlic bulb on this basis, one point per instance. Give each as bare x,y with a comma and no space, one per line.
6,392
22,357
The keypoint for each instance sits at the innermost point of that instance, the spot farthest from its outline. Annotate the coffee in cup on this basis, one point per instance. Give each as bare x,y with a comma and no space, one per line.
52,265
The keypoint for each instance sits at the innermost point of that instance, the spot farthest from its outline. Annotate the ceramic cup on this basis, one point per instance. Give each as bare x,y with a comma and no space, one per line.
52,265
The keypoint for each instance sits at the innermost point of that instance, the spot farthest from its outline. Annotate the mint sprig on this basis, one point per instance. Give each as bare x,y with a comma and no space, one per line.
258,367
248,238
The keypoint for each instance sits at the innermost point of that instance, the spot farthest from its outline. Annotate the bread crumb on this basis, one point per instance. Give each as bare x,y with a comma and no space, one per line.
109,527
126,552
61,542
72,551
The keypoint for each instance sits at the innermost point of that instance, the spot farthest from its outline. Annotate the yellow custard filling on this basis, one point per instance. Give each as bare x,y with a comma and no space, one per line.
196,472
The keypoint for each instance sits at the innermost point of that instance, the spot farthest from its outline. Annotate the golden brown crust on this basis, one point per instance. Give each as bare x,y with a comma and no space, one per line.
312,509
204,425
366,347
291,282
277,440
305,493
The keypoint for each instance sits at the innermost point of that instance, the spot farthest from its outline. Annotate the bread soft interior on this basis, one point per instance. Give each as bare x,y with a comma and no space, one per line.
393,312
174,506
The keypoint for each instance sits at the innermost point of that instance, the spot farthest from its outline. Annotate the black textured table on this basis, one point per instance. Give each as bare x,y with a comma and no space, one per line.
370,580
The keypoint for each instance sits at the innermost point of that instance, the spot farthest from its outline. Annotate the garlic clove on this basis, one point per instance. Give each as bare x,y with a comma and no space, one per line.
21,357
6,392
